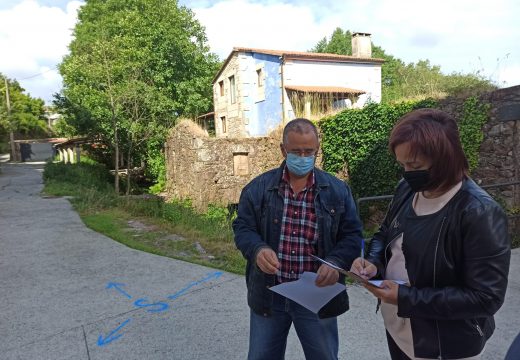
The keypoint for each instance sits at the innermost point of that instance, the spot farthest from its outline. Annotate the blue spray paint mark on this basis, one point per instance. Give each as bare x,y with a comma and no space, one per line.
213,275
112,335
117,286
144,303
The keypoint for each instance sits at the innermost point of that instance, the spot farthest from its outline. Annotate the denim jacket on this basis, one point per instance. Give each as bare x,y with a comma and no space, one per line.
258,224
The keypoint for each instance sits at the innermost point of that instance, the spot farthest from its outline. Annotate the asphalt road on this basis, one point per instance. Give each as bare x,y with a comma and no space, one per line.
67,292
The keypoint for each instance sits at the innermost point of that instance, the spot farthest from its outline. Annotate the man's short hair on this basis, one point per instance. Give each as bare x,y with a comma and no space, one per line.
300,126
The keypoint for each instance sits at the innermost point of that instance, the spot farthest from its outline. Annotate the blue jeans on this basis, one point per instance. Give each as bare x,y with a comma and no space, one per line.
268,335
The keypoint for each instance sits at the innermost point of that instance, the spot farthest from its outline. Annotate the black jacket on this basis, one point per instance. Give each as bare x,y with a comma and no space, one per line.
461,281
258,224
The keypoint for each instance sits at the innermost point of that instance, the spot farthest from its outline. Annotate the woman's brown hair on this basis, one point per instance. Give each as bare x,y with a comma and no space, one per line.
433,134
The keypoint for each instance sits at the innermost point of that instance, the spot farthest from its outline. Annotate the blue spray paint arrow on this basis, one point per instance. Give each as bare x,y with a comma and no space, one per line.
213,275
117,287
112,335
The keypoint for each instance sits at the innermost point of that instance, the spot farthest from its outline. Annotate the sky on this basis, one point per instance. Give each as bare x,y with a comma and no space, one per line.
463,36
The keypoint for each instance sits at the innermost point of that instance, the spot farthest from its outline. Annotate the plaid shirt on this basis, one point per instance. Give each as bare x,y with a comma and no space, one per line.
299,230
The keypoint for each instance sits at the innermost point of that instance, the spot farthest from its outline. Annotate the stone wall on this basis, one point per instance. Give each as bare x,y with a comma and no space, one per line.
211,170
499,158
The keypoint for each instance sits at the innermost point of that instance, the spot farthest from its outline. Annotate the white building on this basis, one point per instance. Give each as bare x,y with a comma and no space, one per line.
257,89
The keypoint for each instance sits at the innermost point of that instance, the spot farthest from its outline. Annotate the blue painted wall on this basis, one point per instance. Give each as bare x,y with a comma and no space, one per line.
267,114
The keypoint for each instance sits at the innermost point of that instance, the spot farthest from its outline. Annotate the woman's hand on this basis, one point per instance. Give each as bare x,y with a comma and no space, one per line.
363,268
388,292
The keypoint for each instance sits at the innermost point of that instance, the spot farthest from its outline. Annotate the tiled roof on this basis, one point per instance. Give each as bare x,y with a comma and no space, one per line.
324,89
299,55
289,54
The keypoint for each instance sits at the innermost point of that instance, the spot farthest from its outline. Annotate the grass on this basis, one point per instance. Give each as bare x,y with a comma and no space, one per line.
146,223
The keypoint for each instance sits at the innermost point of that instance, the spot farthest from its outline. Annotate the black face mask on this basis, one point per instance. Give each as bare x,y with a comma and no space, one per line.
417,179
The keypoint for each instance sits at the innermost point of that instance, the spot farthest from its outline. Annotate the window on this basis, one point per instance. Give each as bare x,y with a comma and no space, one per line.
221,87
260,83
223,124
232,90
259,77
240,164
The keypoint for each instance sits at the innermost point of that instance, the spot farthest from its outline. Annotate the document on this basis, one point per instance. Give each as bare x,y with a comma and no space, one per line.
377,283
305,292
355,277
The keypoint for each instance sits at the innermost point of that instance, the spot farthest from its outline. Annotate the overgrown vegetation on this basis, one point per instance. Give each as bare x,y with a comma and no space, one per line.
473,118
355,142
319,105
401,81
354,145
146,223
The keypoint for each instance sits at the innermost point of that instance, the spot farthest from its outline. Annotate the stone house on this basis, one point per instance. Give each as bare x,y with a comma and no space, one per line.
256,89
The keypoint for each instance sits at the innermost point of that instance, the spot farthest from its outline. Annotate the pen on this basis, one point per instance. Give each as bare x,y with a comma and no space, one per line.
334,266
363,253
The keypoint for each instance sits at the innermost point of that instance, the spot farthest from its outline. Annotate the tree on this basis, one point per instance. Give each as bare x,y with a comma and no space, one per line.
131,63
340,43
22,116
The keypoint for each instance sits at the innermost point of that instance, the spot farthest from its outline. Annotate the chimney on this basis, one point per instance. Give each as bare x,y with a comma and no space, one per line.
361,45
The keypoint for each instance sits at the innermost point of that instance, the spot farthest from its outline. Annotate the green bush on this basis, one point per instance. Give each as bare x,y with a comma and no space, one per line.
357,140
86,174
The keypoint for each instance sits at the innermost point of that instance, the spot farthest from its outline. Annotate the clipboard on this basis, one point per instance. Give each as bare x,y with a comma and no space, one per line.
353,276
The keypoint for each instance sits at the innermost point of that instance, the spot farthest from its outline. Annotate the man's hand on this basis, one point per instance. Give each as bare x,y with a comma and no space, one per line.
326,276
267,261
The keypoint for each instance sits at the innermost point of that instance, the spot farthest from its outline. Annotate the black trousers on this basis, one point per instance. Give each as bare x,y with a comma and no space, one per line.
395,352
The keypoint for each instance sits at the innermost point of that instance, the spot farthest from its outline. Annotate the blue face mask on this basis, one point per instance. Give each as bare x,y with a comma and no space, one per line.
300,165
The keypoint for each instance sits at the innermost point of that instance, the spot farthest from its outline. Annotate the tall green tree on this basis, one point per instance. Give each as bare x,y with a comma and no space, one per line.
26,118
401,81
339,43
134,67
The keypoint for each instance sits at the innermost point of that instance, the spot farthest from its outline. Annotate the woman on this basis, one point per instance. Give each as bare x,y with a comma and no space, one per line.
446,238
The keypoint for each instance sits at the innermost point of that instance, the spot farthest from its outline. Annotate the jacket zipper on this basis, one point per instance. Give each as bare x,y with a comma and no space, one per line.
386,263
387,245
434,282
477,326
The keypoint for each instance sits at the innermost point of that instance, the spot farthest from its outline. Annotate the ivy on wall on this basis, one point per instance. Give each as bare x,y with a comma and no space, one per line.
474,116
357,141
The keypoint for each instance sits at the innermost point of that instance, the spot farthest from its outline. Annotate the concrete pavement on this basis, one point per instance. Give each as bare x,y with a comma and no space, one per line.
67,292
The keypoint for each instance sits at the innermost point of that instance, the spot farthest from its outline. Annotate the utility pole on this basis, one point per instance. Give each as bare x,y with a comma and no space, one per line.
11,134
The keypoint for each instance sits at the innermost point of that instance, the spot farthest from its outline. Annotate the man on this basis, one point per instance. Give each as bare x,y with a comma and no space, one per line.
284,216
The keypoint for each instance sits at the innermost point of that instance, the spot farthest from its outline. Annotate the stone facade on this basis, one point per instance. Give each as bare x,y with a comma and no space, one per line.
211,170
499,158
228,100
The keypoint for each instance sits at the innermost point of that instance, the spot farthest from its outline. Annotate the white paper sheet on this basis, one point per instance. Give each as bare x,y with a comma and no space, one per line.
305,292
379,282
